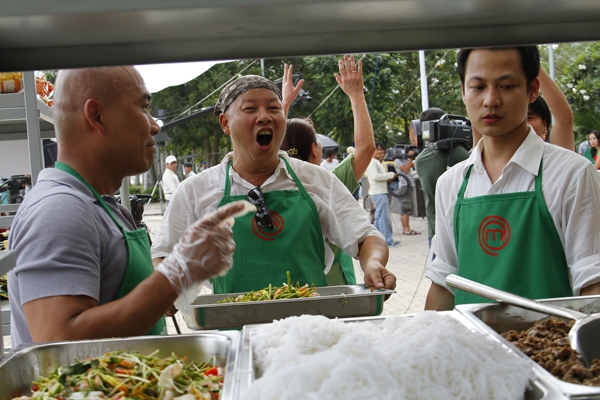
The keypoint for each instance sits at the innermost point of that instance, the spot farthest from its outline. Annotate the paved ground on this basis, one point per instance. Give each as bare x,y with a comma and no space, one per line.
407,262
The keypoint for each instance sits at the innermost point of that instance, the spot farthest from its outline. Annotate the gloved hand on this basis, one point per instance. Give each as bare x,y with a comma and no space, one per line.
205,249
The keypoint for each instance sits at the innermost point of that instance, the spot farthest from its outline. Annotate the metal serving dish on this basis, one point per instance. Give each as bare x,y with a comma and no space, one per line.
20,368
247,373
496,318
334,301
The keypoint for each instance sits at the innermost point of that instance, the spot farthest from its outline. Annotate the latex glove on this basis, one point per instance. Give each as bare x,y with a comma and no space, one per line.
205,249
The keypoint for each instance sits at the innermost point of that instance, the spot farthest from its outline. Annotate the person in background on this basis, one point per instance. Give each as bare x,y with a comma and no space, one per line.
378,189
189,170
82,270
593,150
202,166
301,142
330,161
298,202
170,180
431,164
583,146
356,193
520,215
404,166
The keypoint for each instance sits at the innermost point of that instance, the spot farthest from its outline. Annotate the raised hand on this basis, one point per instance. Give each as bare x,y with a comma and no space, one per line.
289,92
350,77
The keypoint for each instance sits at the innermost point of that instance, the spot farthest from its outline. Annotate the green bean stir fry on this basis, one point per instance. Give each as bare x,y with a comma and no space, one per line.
131,375
287,291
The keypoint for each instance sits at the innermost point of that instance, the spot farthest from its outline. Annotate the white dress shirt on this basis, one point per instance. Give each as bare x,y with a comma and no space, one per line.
378,177
342,218
571,189
170,181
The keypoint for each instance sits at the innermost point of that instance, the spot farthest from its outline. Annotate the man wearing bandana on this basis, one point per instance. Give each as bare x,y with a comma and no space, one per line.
298,203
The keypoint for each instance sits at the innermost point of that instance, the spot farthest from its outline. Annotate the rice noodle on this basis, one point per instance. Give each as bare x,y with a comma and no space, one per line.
427,356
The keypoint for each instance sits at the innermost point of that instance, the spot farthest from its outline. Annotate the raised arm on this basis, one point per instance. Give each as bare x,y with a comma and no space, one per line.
289,92
351,82
562,130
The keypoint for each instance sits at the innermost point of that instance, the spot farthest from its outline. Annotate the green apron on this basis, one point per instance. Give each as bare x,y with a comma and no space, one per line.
509,241
263,256
342,268
139,261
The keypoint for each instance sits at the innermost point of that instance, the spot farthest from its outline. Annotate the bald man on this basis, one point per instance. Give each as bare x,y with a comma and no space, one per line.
83,270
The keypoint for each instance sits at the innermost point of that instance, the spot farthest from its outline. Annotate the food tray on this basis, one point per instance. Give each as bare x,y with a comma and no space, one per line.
246,372
496,318
334,301
20,368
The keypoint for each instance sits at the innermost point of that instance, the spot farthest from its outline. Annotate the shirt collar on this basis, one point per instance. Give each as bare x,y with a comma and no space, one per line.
235,177
527,156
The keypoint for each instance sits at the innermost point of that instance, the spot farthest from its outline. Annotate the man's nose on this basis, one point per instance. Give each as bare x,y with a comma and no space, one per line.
264,115
154,127
492,97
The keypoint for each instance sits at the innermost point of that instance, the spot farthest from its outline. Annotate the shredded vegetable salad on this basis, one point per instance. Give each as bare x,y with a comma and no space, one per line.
131,375
287,291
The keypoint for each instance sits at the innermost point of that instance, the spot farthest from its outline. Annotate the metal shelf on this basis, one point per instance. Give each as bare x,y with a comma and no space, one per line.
24,117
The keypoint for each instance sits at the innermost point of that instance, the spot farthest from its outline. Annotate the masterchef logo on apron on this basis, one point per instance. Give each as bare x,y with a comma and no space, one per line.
267,234
494,234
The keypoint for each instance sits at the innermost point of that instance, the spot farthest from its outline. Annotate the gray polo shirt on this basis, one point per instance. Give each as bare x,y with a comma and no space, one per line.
66,244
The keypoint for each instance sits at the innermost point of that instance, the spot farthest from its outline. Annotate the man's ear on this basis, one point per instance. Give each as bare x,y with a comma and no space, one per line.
92,110
534,90
224,122
462,91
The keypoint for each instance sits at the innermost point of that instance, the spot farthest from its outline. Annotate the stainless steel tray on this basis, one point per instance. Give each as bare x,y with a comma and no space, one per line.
496,318
20,368
334,301
246,372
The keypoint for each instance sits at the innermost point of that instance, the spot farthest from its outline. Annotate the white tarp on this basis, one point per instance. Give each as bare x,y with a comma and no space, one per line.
161,76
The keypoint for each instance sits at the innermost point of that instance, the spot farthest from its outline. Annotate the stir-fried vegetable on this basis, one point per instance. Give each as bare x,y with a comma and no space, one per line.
287,291
120,375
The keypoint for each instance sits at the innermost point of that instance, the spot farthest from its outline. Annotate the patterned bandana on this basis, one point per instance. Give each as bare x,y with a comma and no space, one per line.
240,86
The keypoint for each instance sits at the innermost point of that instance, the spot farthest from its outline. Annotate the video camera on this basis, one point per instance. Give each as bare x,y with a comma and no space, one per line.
401,150
447,132
15,186
137,203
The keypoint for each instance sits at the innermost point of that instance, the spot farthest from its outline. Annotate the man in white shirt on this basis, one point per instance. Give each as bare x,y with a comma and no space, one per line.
330,161
298,203
378,190
189,170
519,214
170,180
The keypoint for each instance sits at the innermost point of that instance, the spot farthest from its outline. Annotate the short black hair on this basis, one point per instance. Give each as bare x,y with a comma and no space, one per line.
530,61
188,165
378,145
431,114
540,107
329,153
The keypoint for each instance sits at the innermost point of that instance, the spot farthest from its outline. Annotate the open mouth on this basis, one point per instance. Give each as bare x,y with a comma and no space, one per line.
264,138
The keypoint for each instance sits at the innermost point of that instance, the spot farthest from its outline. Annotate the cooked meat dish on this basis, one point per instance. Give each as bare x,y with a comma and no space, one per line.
547,343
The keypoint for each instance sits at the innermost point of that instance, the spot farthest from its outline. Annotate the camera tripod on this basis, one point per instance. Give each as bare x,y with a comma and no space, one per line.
161,197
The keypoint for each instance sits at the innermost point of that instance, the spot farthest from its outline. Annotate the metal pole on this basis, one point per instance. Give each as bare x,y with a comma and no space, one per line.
125,193
424,93
32,117
551,66
551,61
262,66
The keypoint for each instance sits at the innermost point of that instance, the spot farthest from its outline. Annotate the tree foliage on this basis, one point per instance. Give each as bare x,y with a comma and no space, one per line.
392,91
